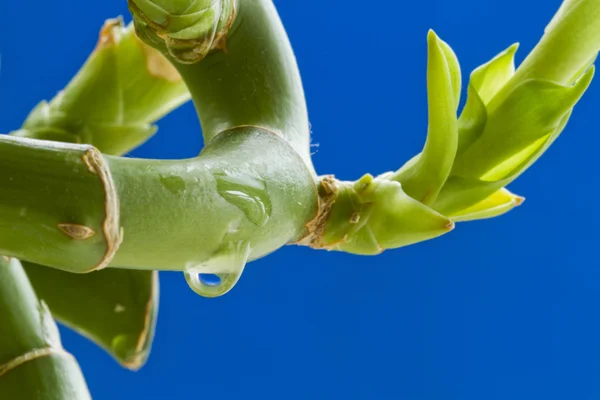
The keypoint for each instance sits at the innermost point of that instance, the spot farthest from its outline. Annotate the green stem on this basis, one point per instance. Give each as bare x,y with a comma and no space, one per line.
253,81
67,206
30,348
247,185
571,43
514,116
58,204
115,122
113,101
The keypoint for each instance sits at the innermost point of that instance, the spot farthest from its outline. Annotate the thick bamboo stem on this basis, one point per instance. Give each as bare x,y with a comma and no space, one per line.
168,214
251,78
118,120
59,205
30,348
115,98
569,45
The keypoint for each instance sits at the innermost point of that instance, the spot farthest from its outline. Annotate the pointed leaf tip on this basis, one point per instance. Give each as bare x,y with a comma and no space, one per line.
114,308
424,178
490,77
497,204
485,81
453,69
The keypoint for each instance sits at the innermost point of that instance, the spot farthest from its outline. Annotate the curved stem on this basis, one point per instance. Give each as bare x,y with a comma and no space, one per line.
247,185
58,203
126,301
33,364
115,98
253,80
571,43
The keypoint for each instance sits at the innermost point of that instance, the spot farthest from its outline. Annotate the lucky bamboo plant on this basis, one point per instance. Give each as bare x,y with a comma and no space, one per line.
83,230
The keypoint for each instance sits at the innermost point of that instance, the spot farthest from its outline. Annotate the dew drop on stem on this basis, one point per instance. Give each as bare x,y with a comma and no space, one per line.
220,273
246,192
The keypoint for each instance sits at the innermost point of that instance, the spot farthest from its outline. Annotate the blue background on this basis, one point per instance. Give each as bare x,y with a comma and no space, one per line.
499,309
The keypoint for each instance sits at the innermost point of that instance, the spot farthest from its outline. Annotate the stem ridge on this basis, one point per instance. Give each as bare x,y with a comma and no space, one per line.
33,355
113,233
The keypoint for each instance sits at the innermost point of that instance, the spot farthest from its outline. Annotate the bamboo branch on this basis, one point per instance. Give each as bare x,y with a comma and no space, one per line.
256,203
512,118
253,188
569,45
250,78
248,193
234,191
113,101
60,202
138,86
30,348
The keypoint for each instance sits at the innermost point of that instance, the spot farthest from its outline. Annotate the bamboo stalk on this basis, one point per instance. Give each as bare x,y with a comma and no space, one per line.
251,77
233,191
115,98
33,364
126,300
169,204
253,188
60,202
570,43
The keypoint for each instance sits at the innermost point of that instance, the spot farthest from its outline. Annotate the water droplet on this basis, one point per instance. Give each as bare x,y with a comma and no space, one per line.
246,192
210,279
173,183
219,274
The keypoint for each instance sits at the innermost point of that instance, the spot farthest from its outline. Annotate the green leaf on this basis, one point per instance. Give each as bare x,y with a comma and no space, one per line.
489,78
485,82
115,308
516,129
519,169
460,193
424,178
113,101
453,69
33,363
463,196
497,204
117,139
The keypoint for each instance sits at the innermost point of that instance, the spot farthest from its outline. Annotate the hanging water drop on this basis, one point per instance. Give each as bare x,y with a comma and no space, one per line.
219,274
210,279
246,192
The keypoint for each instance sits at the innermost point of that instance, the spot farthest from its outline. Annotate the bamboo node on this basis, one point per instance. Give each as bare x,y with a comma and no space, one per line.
77,232
113,233
32,355
328,191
